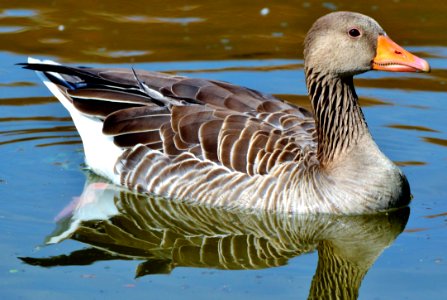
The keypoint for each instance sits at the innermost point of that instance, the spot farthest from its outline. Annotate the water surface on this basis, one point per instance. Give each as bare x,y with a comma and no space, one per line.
256,44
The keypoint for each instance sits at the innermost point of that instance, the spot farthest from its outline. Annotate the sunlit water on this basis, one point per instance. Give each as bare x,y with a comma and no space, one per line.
41,162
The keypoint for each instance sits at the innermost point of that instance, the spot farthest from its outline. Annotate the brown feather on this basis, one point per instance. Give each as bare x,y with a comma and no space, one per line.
178,112
140,124
233,126
189,87
136,119
132,139
208,137
189,124
213,95
256,145
167,136
225,148
180,144
238,103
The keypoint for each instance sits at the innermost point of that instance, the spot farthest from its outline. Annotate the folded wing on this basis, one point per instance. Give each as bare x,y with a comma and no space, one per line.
235,127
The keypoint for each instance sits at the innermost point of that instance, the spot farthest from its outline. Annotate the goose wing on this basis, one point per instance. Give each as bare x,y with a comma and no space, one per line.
236,127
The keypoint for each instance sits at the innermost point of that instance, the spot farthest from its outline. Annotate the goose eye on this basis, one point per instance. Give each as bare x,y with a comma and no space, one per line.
354,32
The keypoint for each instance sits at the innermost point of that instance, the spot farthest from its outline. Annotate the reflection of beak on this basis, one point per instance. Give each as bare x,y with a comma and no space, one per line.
392,57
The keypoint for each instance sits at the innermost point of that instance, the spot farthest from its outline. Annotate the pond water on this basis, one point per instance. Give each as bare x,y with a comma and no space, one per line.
252,43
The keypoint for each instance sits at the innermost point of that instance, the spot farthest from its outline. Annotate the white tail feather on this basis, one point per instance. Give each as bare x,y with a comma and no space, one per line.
101,154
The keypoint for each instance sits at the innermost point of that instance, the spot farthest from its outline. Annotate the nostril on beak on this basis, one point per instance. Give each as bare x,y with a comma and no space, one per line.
397,52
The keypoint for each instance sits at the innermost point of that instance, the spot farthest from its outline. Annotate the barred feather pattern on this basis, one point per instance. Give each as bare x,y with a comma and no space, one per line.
214,143
280,146
338,117
190,179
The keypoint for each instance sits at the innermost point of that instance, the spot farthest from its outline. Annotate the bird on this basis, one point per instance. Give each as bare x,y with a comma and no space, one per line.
213,143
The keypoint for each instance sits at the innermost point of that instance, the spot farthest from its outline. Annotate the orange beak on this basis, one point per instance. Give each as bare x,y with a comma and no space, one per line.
392,57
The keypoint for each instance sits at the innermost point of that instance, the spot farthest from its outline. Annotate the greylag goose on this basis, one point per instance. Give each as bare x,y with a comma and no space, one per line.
212,143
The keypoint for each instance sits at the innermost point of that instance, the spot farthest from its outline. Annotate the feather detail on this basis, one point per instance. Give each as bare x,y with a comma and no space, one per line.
159,133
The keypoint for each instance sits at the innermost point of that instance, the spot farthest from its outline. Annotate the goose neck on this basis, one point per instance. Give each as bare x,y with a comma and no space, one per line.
339,119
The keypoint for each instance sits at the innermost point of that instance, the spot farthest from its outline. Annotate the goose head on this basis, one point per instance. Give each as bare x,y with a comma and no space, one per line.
346,43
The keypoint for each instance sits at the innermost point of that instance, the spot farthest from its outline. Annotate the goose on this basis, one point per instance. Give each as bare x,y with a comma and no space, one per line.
212,143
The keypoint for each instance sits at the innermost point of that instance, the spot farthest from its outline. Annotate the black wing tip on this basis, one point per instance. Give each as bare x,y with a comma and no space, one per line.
36,66
24,65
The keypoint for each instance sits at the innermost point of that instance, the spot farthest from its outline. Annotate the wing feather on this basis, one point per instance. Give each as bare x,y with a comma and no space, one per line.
235,127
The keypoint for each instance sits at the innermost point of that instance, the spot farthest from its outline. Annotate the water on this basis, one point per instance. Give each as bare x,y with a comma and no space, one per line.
42,161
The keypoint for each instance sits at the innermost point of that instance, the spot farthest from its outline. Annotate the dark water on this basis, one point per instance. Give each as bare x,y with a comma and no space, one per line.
41,162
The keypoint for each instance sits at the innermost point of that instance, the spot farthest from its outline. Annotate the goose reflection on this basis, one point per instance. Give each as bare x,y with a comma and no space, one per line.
168,234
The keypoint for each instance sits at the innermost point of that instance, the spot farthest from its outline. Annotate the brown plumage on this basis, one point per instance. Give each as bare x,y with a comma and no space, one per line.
223,145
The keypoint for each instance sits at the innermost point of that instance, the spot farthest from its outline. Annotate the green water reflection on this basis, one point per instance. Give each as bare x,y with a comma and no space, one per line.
165,234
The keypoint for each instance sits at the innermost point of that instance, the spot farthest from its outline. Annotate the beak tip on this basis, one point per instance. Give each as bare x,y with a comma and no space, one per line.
423,66
427,68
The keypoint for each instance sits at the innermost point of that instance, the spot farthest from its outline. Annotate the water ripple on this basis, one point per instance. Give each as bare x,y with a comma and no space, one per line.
18,13
12,29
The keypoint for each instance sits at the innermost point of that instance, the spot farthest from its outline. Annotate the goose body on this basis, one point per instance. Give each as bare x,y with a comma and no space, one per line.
213,143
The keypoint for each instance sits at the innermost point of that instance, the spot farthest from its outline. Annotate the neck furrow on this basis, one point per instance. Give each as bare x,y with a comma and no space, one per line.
338,117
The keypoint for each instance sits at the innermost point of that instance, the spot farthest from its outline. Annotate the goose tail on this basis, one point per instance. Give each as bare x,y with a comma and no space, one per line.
101,153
